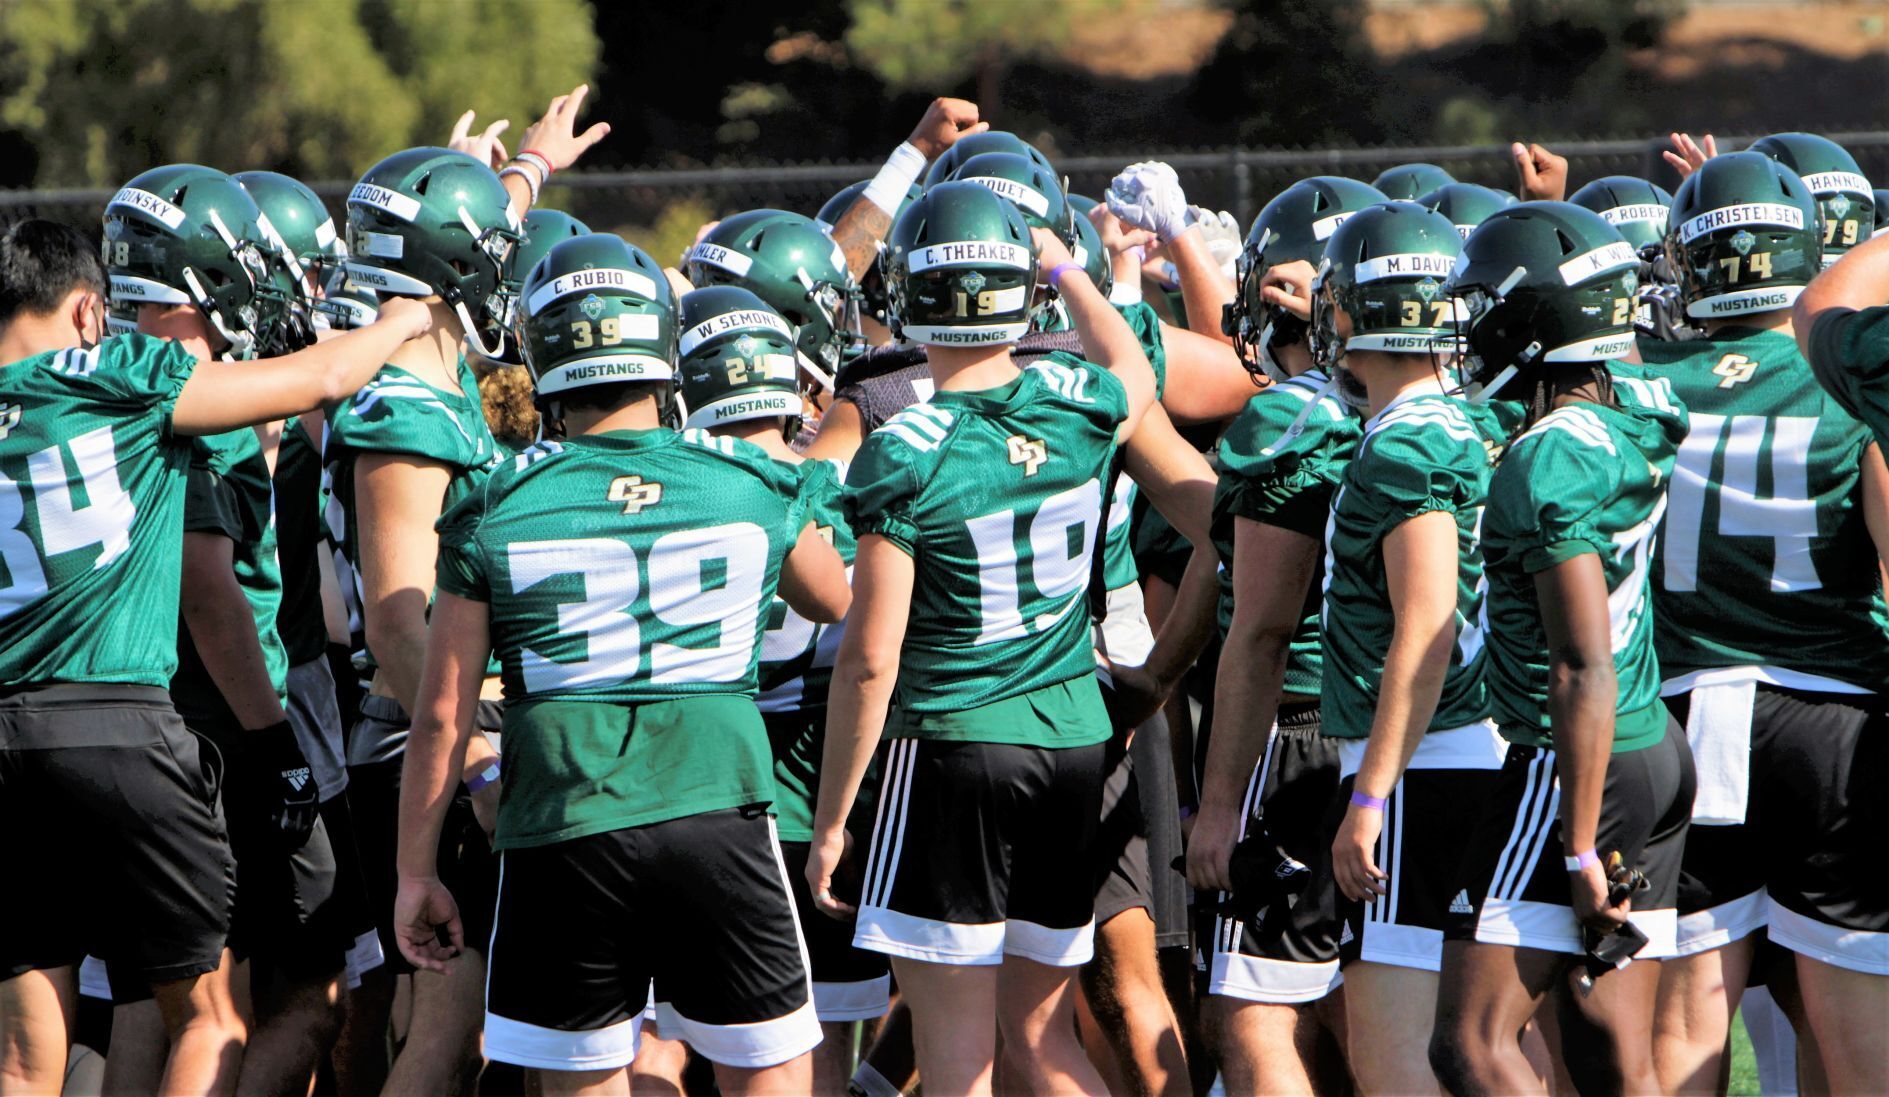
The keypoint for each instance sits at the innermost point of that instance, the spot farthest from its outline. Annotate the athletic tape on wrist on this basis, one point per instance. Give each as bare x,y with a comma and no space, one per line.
1125,291
1581,860
894,181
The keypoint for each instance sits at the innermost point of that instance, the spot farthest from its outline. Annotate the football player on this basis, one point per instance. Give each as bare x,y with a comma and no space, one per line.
1280,463
1771,632
1844,197
739,379
1598,782
217,283
1409,182
1401,631
86,626
977,514
626,609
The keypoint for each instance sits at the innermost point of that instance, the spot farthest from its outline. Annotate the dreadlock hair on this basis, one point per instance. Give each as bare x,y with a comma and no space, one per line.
1545,380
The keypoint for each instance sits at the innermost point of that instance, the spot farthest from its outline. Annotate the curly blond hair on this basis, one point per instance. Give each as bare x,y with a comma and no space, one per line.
507,395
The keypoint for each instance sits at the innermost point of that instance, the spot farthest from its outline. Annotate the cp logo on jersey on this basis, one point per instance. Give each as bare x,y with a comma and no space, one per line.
1736,369
1027,452
634,494
9,418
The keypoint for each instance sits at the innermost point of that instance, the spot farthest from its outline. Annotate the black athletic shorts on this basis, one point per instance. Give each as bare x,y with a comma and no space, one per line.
1140,837
467,865
1289,954
352,907
697,907
114,831
849,984
981,850
1516,883
1807,863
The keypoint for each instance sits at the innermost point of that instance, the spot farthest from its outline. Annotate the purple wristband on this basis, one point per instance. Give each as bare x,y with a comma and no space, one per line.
1584,859
1056,272
485,777
1361,800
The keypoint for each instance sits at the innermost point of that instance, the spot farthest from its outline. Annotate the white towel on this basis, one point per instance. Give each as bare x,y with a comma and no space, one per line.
1718,728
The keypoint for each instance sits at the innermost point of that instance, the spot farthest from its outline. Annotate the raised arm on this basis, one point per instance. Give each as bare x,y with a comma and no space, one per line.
1107,340
869,218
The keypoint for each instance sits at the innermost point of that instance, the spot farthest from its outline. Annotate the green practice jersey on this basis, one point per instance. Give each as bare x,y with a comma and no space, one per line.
623,570
1118,556
1849,351
1280,463
797,654
230,494
1422,453
397,413
91,514
1585,479
997,496
1766,560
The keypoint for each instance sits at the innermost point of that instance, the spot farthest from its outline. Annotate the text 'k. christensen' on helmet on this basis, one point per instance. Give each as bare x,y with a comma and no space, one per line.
302,239
431,221
1544,283
190,235
1408,182
1030,185
791,263
1634,206
1466,204
962,269
1385,270
1293,226
598,311
976,144
1743,237
1833,178
735,359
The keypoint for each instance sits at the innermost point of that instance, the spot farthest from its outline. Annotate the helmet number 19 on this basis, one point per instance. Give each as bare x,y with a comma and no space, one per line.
986,301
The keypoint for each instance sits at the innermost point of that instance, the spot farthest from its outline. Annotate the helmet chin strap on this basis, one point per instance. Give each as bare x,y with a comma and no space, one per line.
471,332
808,367
242,343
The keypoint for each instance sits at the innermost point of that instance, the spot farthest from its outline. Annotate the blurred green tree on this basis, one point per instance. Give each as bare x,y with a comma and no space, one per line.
938,44
102,89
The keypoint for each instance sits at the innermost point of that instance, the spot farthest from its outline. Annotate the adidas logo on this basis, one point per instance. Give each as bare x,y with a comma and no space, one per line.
1460,904
1345,936
298,778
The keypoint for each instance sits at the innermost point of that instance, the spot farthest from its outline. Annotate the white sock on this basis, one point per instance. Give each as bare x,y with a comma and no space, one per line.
873,1083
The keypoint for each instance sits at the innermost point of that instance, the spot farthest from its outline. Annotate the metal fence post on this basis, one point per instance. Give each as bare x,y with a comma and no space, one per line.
1242,184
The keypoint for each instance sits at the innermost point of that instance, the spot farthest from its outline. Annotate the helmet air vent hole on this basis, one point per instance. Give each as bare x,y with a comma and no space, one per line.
425,180
1568,245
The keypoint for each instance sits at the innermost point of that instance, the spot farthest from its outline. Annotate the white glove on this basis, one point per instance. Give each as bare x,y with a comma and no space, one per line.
1223,237
1148,196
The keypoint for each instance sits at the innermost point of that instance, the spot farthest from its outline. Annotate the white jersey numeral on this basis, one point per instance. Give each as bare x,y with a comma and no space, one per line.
104,521
682,593
1785,514
1061,542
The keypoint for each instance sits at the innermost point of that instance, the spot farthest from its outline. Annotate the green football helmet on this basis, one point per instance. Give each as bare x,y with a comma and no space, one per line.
303,240
1030,185
1634,206
1293,226
544,229
597,311
1743,237
1466,204
1834,179
433,221
1406,182
962,269
736,359
348,306
872,283
1385,269
1543,283
121,317
1091,255
190,235
791,263
964,148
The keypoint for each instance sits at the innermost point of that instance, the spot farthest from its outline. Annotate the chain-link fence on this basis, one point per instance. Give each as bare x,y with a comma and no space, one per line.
1240,180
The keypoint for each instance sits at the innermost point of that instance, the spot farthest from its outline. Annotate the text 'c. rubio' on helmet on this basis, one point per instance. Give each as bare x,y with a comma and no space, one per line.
735,358
431,221
544,229
188,234
962,269
597,311
787,260
1743,236
1544,282
1386,269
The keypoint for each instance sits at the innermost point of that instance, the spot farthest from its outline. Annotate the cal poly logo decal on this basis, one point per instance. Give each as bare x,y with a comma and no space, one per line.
1736,369
634,494
1028,452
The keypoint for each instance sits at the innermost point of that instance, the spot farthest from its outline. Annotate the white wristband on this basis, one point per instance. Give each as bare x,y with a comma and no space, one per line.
889,188
1125,291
